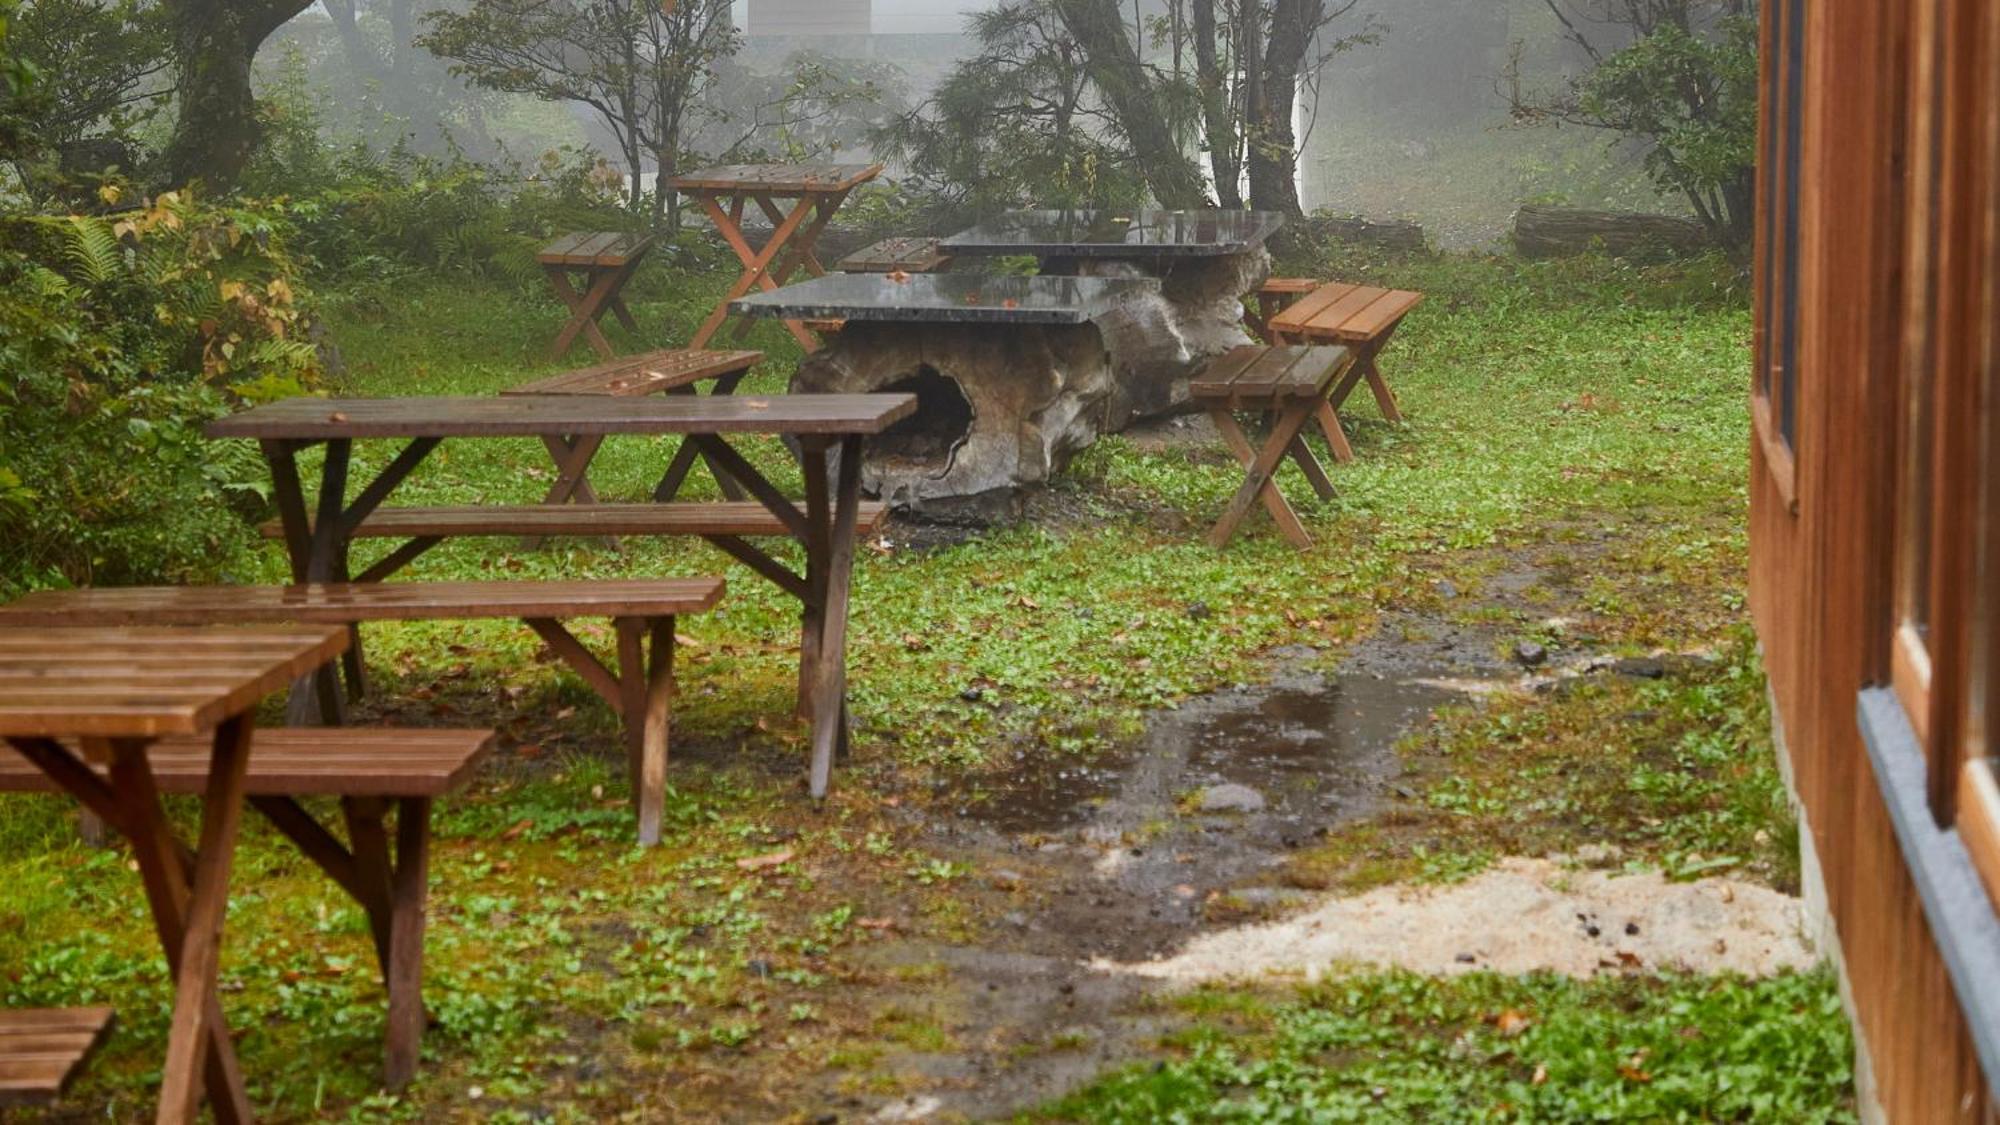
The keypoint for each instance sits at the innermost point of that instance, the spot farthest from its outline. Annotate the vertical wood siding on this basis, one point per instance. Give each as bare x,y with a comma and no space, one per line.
1819,578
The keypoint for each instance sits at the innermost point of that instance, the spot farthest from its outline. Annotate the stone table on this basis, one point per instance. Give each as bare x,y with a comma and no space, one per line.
1011,375
1205,261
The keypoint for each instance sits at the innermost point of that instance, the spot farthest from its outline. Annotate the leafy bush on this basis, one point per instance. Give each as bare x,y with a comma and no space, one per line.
119,337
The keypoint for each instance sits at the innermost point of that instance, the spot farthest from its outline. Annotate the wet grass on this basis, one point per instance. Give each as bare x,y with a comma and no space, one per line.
575,978
1481,1047
1673,773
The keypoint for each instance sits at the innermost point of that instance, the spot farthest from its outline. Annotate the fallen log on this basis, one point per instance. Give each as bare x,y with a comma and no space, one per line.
1389,234
1560,232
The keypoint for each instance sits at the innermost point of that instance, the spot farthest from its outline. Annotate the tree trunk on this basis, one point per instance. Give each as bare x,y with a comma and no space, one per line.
361,59
1274,155
1218,123
1116,71
214,43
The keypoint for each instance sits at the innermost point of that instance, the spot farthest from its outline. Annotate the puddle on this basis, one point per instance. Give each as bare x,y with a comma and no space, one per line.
1308,744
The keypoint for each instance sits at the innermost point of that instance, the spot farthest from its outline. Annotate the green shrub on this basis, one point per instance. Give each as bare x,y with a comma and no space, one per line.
120,336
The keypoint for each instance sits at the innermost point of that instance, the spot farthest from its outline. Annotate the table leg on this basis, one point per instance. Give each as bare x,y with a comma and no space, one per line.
1258,479
818,544
1336,437
584,307
684,457
572,455
189,918
830,733
756,265
324,702
403,972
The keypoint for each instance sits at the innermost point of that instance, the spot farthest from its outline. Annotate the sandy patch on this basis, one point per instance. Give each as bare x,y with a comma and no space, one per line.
1519,916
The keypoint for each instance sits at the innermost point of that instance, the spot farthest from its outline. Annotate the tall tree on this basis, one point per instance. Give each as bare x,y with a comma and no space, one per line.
1135,100
1214,69
215,42
639,64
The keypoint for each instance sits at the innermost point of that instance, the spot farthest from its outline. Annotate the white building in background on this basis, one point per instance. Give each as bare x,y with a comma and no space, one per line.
809,17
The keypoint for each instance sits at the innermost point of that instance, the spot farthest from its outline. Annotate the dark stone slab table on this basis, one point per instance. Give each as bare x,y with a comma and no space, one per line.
1012,376
1206,263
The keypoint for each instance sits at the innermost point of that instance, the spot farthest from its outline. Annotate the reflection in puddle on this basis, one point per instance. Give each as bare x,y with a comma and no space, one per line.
1305,742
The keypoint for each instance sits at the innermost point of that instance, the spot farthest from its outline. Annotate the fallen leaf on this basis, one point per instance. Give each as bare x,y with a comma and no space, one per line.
1512,1023
1629,959
529,750
1541,1075
876,923
514,833
764,862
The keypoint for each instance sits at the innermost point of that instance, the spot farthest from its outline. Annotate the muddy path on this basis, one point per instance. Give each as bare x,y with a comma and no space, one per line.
1134,854
1180,839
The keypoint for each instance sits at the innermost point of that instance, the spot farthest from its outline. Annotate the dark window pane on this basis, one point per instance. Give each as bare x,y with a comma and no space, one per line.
1787,390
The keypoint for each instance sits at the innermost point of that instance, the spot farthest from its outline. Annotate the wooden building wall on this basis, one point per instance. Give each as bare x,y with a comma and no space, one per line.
1822,523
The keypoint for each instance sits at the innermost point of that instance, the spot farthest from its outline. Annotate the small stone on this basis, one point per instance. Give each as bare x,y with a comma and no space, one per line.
972,695
1466,959
1016,919
1528,654
1631,929
1445,588
760,968
1641,667
1231,798
1005,880
1593,931
1199,611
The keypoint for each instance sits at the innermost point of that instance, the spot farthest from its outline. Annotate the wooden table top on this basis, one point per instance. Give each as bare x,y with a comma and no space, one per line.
322,419
778,179
146,682
594,248
1345,313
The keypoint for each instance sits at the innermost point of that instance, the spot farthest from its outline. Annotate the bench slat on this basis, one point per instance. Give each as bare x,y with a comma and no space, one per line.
662,370
1254,374
746,518
343,603
41,1050
303,761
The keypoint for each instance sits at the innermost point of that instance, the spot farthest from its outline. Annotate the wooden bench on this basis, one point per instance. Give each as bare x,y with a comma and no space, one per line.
606,260
639,691
725,525
42,1049
667,371
1289,386
369,770
1274,294
1362,317
897,255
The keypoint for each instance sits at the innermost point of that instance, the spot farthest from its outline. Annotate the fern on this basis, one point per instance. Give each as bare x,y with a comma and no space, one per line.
92,251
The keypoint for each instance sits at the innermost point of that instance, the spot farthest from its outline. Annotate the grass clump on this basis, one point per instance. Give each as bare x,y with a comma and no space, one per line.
1399,1046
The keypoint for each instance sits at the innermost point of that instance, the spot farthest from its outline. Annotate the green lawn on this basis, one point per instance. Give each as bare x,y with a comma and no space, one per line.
575,978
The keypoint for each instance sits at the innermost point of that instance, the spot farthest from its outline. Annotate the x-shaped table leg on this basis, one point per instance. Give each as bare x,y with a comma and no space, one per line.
188,894
589,306
684,457
572,455
756,263
1260,466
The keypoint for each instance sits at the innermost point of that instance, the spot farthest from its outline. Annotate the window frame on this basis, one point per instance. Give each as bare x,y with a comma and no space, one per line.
1775,386
1940,453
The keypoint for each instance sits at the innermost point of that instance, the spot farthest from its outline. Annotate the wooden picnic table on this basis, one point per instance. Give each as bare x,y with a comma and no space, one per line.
605,260
828,429
117,691
817,191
